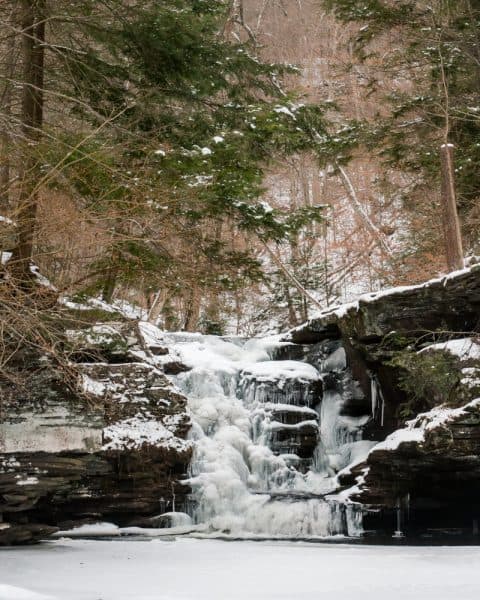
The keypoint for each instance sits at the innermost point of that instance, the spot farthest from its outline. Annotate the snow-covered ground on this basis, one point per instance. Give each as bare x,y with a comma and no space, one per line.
213,570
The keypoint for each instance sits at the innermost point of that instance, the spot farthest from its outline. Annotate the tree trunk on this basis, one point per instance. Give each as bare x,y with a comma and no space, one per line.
362,214
33,38
193,309
6,105
451,223
110,283
292,317
156,308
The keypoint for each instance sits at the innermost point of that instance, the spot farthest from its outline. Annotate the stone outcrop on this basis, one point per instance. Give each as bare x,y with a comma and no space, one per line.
113,448
425,475
451,302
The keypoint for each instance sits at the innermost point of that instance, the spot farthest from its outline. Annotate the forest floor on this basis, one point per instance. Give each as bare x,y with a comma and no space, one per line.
189,569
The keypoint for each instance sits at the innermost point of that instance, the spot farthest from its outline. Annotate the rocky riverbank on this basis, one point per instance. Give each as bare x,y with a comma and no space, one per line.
403,366
415,352
112,448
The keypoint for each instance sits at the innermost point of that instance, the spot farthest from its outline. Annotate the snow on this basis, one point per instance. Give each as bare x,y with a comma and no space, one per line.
181,524
340,310
124,308
91,530
291,408
285,111
471,377
230,354
463,348
282,370
41,279
138,431
92,386
214,570
10,592
95,335
415,430
401,436
28,481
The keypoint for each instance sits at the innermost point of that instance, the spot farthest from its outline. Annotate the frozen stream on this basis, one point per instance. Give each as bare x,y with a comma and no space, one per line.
190,569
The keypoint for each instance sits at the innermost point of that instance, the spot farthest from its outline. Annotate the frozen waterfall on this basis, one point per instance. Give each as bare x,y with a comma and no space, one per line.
269,439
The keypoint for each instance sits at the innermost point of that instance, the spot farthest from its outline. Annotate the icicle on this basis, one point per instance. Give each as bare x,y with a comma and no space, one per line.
376,393
398,510
373,392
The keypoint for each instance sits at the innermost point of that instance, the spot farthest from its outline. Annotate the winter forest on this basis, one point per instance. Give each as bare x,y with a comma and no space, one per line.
239,299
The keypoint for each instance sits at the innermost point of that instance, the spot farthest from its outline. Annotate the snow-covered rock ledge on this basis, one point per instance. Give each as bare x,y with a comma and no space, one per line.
116,450
453,299
425,466
429,469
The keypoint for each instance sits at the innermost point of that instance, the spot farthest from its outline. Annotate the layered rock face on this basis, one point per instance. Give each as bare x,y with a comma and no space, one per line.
423,477
115,451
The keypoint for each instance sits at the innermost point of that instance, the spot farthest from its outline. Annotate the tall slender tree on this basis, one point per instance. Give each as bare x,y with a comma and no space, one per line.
33,17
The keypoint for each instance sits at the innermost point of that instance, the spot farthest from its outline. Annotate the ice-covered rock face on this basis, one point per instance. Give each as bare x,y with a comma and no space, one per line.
269,439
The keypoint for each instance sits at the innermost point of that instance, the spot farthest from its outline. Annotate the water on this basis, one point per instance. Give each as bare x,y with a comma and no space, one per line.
269,440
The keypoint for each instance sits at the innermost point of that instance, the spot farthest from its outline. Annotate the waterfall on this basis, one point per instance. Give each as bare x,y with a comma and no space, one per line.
269,439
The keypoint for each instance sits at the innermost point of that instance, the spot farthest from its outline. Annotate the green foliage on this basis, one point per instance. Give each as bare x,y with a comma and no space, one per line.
212,326
428,379
186,123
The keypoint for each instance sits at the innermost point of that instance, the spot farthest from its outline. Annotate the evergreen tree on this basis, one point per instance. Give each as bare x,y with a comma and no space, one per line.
164,132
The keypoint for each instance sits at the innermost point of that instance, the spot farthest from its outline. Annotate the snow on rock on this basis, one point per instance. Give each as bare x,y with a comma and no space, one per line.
415,430
135,432
122,307
41,279
27,481
92,386
95,335
462,348
100,529
145,409
393,441
5,257
471,377
336,312
281,370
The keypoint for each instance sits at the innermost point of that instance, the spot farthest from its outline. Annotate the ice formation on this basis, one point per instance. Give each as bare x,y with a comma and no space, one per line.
268,440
